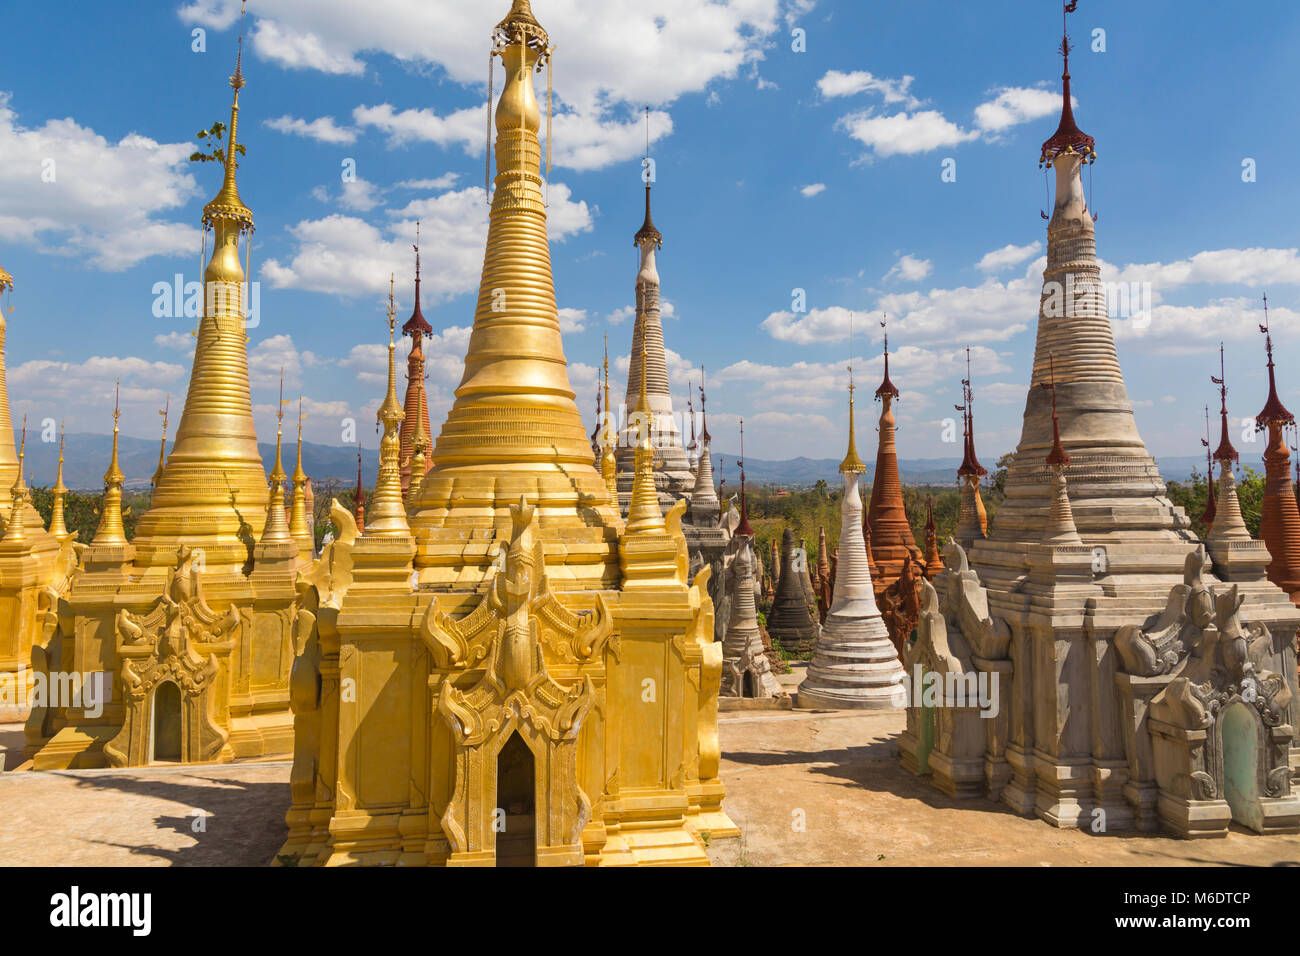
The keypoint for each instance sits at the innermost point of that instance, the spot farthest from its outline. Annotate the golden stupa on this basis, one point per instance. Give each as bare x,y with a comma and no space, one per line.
512,677
34,563
189,622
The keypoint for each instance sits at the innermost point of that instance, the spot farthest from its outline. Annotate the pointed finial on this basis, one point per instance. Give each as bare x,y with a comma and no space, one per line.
227,206
1211,503
704,415
852,463
886,387
1068,138
1225,452
417,326
1274,411
162,448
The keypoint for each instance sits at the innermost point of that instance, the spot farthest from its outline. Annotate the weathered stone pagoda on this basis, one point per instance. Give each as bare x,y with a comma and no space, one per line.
789,623
1138,684
648,335
516,675
190,622
746,669
854,663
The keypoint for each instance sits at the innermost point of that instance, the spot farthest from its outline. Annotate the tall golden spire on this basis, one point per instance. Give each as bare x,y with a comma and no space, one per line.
608,459
212,492
300,524
852,464
644,513
386,516
515,427
162,446
58,524
8,456
277,527
15,533
110,529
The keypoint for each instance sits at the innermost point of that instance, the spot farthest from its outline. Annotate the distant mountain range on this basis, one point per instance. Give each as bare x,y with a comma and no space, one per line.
806,472
86,458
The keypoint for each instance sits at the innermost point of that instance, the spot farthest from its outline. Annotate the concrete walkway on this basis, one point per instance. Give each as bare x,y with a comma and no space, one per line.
806,789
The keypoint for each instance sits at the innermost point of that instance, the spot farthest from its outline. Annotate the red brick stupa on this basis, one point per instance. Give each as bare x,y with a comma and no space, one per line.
892,543
1279,524
415,436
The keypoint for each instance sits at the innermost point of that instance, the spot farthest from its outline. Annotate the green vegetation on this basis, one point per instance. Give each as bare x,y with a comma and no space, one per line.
1191,495
81,511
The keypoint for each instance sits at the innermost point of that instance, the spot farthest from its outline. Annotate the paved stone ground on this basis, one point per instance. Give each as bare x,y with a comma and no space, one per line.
841,770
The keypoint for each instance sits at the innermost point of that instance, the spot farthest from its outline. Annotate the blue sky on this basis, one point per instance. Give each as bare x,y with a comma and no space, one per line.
776,170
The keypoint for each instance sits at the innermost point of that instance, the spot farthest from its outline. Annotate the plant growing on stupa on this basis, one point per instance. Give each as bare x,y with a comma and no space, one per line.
214,141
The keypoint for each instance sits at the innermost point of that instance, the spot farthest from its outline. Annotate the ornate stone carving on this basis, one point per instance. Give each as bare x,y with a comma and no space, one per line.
517,695
177,642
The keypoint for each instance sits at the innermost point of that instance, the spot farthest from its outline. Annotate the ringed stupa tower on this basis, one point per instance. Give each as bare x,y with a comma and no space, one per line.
212,492
1279,523
1065,597
192,617
503,643
648,334
891,539
515,428
854,662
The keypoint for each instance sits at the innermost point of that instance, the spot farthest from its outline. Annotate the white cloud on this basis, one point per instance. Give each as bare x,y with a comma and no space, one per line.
621,314
573,320
816,189
1015,105
461,128
81,393
345,255
904,133
991,312
178,341
322,129
67,190
837,84
921,131
445,181
1008,256
910,269
633,52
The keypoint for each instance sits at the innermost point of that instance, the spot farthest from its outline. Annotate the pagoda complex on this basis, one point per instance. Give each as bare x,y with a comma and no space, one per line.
190,622
516,644
35,564
1132,679
854,663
